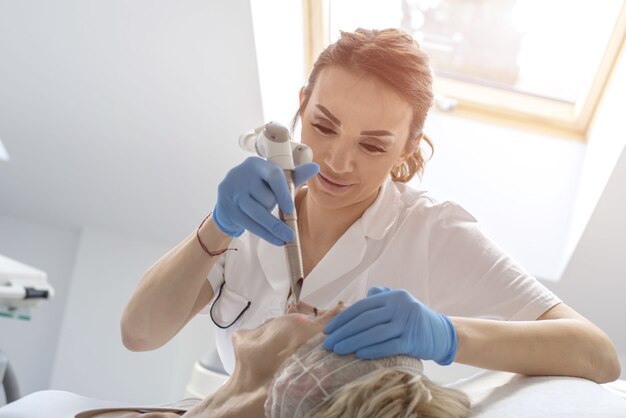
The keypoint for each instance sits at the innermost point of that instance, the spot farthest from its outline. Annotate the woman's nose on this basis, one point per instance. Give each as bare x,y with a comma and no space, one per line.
339,157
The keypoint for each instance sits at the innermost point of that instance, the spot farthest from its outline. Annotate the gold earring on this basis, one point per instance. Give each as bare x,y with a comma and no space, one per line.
397,170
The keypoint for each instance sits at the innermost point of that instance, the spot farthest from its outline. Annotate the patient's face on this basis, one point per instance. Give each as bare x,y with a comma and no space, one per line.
263,349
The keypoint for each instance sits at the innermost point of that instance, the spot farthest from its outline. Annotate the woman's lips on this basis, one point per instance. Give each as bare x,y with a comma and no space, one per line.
333,182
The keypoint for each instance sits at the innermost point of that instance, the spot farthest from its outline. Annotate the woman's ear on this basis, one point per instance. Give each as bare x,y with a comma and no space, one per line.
409,149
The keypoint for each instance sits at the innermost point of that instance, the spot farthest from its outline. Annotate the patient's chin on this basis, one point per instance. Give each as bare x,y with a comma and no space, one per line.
302,308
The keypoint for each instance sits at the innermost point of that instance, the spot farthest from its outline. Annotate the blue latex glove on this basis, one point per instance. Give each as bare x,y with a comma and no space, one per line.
249,193
392,322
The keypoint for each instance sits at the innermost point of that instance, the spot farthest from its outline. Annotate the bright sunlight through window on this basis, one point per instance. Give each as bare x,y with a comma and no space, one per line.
546,61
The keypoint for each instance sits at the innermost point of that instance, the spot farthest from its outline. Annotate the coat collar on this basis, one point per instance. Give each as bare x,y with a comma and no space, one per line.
344,256
382,214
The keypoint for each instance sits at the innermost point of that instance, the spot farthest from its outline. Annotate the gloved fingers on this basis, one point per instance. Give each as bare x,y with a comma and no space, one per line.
277,182
375,290
264,195
369,337
353,311
384,349
357,325
258,230
304,172
262,223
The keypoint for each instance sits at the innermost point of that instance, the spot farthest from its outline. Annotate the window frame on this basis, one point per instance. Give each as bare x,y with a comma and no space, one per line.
472,100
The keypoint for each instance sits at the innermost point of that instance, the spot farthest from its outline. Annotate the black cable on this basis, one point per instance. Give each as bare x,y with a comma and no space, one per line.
238,316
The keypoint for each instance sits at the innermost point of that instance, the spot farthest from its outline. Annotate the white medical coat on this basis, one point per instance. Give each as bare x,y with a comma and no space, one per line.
405,239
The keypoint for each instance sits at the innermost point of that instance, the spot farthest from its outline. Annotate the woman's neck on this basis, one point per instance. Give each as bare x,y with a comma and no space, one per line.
321,224
243,395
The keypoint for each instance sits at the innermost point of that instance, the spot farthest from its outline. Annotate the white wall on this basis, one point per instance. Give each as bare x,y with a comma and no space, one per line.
594,282
280,56
91,359
606,140
520,185
32,345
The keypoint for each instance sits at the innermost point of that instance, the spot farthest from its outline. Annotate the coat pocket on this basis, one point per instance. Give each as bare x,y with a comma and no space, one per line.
228,307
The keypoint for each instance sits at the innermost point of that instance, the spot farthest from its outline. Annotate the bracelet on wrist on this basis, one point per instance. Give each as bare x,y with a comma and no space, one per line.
206,250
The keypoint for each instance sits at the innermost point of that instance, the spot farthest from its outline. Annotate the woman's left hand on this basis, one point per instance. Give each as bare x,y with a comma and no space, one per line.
392,322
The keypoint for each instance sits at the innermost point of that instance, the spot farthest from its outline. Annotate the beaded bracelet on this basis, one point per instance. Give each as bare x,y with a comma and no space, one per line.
206,250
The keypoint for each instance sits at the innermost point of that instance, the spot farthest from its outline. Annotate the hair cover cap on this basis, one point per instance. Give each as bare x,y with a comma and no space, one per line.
312,374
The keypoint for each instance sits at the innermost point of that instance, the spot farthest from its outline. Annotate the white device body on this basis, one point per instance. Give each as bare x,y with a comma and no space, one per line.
285,154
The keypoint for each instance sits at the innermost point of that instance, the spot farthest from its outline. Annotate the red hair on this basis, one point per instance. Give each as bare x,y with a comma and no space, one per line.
395,58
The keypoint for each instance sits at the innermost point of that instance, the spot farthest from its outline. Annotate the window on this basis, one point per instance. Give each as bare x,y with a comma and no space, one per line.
540,64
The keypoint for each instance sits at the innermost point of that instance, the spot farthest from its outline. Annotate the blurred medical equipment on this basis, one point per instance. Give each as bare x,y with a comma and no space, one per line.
273,142
21,288
207,376
8,381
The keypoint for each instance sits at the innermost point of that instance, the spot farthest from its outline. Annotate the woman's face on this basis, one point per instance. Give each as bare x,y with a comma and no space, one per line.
357,128
262,350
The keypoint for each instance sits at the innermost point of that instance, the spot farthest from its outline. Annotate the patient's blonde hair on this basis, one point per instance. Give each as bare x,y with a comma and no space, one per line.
317,383
390,393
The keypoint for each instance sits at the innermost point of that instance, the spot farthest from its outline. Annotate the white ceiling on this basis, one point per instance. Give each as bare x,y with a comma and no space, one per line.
123,115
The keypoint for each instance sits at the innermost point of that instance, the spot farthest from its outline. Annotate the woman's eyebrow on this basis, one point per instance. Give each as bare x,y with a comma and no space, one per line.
337,122
377,133
329,115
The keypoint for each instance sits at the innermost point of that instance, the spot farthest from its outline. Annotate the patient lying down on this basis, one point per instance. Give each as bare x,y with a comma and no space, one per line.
282,370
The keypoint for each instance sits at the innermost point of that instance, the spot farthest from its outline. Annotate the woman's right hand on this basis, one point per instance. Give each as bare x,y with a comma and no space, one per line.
249,193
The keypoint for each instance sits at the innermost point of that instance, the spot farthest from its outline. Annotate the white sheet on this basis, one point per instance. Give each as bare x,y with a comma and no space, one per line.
52,404
493,395
62,404
504,395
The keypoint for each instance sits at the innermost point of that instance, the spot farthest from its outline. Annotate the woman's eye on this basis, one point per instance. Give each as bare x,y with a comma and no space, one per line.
372,148
322,129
